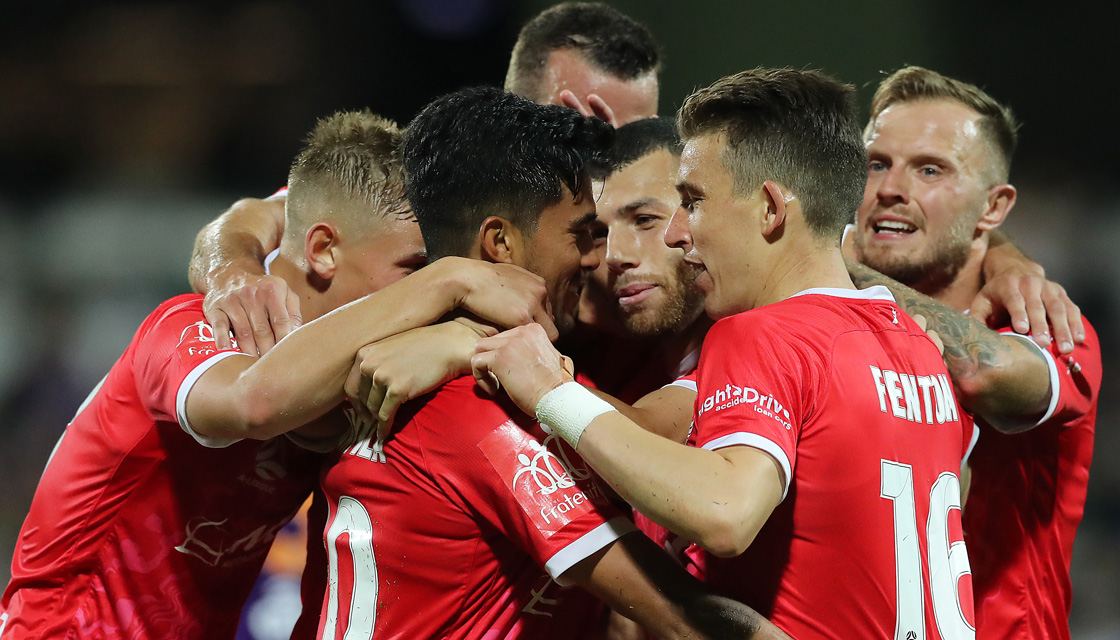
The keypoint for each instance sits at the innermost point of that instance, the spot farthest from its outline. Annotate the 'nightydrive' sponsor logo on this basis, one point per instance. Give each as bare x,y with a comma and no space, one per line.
733,396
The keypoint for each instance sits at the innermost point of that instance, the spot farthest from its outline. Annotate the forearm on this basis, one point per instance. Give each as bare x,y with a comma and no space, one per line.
999,378
304,375
640,581
666,412
696,493
238,239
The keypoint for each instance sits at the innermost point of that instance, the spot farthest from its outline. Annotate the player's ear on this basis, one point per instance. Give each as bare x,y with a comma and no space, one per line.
774,200
499,241
320,249
1000,200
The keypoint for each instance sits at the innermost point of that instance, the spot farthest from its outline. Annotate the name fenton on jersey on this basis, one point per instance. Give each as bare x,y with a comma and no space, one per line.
923,399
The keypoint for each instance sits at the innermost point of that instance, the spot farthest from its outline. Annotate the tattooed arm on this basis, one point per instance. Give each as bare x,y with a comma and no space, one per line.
999,378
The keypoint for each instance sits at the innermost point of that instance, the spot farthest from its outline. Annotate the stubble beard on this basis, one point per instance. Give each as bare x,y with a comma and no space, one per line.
684,303
933,269
564,319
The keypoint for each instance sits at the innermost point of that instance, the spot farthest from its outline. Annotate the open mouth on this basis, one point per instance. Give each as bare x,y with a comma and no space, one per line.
897,227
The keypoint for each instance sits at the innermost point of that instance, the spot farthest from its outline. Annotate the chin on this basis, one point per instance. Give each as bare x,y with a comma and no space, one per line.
716,312
565,323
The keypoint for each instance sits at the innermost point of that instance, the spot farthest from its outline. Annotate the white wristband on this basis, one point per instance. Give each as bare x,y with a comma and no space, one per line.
569,408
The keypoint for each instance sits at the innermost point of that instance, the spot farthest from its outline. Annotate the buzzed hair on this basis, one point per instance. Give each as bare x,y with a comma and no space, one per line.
797,128
603,36
636,140
912,84
351,157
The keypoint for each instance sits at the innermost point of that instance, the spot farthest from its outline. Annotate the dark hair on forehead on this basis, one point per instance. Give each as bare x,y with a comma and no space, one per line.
481,152
636,140
797,128
603,36
997,122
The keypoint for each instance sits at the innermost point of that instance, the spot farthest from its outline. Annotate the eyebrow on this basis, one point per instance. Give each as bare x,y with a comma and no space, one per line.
651,202
417,256
919,159
927,158
587,219
685,185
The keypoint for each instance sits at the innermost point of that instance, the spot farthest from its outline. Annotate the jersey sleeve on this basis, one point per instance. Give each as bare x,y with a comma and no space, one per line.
754,388
1075,380
527,484
173,350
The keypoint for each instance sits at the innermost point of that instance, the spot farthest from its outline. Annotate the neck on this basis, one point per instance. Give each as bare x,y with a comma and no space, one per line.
960,291
681,344
311,303
797,270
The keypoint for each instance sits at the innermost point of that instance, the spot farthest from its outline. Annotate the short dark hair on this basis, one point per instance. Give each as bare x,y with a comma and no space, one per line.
636,140
480,152
797,128
351,155
603,36
912,84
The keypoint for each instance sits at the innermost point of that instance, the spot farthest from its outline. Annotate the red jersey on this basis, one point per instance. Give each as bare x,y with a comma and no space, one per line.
1026,499
138,531
442,532
851,399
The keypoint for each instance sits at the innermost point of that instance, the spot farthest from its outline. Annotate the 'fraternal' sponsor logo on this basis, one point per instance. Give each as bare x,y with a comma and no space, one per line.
733,396
549,480
915,398
198,340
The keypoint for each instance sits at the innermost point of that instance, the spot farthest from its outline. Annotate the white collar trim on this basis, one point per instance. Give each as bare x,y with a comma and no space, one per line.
268,260
876,292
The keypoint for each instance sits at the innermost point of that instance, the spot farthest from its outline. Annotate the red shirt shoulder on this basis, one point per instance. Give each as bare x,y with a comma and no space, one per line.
130,504
1026,501
852,400
497,495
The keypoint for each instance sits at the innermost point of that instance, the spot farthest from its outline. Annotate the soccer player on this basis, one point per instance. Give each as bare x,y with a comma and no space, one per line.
642,320
939,156
828,440
588,56
152,519
444,530
584,55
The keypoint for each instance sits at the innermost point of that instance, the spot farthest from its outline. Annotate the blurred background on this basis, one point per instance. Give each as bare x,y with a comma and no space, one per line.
126,126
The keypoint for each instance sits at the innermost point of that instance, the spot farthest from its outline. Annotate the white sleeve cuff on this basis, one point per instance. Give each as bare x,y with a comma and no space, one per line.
971,444
761,443
586,545
680,382
1055,381
185,389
